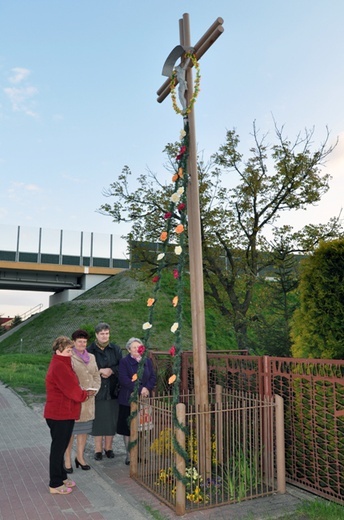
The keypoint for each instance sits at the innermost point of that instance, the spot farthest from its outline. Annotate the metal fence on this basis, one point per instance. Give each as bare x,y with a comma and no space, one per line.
230,446
313,395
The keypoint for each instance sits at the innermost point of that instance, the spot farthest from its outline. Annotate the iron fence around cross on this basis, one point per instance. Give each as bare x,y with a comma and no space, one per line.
313,394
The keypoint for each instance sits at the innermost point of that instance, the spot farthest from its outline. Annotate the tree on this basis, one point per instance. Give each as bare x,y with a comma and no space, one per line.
236,250
317,326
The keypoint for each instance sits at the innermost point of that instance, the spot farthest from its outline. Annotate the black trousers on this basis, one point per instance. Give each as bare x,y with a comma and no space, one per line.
61,432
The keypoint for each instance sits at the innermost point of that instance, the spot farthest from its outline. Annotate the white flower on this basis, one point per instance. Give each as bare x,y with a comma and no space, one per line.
178,250
175,197
182,134
174,327
147,325
160,256
180,190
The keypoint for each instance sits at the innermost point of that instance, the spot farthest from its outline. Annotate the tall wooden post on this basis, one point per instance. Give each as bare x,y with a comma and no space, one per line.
195,240
194,220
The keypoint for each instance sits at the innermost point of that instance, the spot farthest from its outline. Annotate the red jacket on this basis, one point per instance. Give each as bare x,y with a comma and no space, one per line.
64,394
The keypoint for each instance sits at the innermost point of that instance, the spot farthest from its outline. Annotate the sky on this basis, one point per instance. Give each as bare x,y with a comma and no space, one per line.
78,82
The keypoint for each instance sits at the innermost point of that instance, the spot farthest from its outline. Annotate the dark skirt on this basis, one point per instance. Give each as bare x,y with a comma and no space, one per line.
105,421
122,423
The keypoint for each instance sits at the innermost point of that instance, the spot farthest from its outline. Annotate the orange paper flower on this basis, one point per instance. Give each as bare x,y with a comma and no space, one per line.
134,377
175,301
172,379
175,177
163,236
150,302
179,229
180,172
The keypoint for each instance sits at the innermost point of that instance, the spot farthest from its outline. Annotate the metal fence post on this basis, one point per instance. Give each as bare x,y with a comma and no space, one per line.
280,445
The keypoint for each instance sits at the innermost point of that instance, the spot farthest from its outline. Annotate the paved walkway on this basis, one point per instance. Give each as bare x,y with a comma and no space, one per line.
104,493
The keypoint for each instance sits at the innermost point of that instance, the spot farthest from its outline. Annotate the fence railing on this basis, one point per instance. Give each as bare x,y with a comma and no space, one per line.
313,394
237,463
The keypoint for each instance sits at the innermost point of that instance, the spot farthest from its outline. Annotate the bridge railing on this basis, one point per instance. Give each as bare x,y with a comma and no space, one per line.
60,247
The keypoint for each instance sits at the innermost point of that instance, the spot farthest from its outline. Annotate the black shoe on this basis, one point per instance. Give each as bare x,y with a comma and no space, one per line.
85,467
127,461
68,470
110,454
98,455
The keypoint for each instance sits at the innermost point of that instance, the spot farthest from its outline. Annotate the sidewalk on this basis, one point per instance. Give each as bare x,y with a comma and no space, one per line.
106,492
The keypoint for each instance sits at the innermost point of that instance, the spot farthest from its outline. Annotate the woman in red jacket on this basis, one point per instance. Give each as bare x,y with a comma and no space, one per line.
62,408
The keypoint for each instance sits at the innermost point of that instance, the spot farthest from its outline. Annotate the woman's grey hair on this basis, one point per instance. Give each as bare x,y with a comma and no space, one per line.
131,341
101,326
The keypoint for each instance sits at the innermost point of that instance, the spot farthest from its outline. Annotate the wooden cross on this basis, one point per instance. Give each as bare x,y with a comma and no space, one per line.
194,232
194,221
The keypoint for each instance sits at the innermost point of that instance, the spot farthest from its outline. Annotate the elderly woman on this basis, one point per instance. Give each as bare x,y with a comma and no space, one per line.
108,356
62,408
128,368
85,366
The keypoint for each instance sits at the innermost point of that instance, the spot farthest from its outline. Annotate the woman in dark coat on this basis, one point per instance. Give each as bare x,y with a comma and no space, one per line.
62,408
108,356
128,368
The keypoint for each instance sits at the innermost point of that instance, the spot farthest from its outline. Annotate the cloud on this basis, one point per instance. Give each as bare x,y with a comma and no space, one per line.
22,95
17,189
18,75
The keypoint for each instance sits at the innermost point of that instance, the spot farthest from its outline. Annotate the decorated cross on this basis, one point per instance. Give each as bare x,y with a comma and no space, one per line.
183,77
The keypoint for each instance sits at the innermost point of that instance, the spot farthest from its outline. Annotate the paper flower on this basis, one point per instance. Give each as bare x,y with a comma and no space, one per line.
182,134
175,177
180,190
163,236
150,302
175,301
147,325
181,206
178,250
172,379
134,378
180,172
160,256
167,215
175,274
172,351
141,349
179,229
175,197
174,327
181,153
155,278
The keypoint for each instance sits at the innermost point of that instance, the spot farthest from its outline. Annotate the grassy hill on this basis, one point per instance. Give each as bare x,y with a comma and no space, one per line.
121,302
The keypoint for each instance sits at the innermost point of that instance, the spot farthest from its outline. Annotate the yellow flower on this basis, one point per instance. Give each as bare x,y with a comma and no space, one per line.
163,236
174,327
150,302
175,301
134,377
147,325
172,379
178,250
179,229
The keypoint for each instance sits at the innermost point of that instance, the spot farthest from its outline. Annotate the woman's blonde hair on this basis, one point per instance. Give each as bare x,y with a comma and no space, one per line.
61,343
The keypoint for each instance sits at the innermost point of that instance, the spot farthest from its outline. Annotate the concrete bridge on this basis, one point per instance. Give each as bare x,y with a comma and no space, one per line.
63,262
